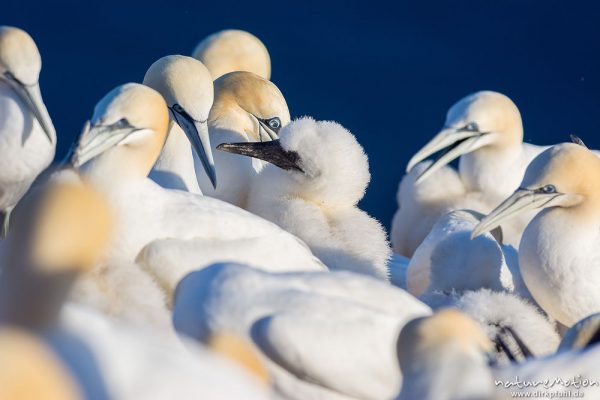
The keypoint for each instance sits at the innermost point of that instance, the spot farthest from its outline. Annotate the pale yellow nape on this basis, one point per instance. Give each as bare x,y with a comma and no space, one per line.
72,227
233,50
240,351
239,94
29,370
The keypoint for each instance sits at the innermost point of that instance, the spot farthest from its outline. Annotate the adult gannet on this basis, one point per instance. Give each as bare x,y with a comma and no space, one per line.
317,174
321,335
27,136
444,357
247,108
53,352
187,87
233,50
560,245
485,130
169,232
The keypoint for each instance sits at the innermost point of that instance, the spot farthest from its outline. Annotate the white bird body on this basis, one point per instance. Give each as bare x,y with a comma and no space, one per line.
485,130
153,224
24,148
139,363
317,175
322,335
560,245
27,136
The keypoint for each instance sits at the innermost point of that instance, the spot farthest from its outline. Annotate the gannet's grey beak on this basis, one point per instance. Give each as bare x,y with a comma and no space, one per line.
270,151
455,142
197,134
32,96
520,201
95,140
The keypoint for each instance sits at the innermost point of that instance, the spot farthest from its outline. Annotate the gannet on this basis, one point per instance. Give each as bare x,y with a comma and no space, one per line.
317,174
444,357
71,352
560,245
485,130
187,87
321,335
247,108
447,357
233,50
169,232
27,136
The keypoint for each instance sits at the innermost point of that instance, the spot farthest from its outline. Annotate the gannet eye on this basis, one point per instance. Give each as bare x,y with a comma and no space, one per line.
178,108
549,189
274,123
122,123
471,127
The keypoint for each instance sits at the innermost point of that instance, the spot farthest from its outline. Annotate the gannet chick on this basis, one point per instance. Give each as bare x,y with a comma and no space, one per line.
169,232
27,136
455,262
444,357
317,174
321,335
187,87
560,244
485,130
233,50
584,334
247,108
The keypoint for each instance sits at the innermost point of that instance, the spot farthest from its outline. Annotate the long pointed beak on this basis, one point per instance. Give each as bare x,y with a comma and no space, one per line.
456,144
197,134
32,96
95,140
520,201
271,152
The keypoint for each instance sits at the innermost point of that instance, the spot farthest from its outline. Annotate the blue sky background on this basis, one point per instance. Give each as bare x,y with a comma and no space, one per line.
386,71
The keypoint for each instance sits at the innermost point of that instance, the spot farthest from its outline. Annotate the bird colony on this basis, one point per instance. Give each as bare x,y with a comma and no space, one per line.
200,243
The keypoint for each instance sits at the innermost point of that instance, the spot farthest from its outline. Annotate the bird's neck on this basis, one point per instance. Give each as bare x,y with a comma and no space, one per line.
494,170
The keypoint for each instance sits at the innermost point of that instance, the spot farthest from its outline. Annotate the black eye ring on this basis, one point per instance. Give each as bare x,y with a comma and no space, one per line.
274,123
549,189
178,108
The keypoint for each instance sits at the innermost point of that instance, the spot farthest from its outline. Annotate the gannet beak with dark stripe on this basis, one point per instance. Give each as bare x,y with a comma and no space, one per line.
31,95
455,142
96,139
523,199
197,134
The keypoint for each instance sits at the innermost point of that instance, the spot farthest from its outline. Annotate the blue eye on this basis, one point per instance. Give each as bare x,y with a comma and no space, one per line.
549,189
274,123
471,127
122,123
178,108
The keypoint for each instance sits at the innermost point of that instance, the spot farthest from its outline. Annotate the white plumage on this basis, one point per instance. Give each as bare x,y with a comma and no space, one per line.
323,335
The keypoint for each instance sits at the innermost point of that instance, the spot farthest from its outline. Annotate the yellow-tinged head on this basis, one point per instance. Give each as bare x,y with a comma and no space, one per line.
19,55
481,122
30,370
246,103
126,133
233,50
446,329
566,175
239,350
61,227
